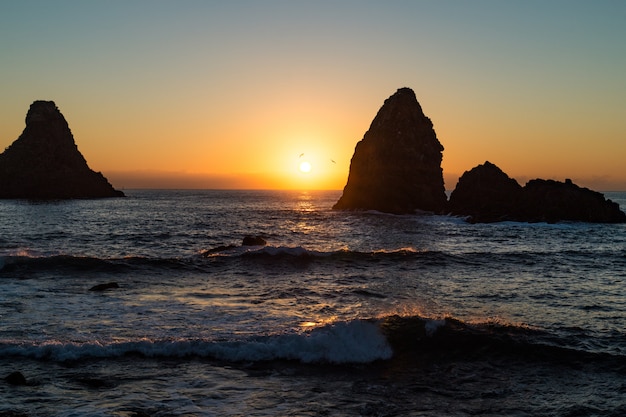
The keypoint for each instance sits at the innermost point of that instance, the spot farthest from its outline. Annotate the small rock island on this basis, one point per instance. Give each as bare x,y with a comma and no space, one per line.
486,194
44,163
396,167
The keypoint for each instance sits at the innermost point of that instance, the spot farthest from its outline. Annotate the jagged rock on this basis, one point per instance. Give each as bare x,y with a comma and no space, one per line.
253,241
104,287
45,163
396,167
486,194
552,201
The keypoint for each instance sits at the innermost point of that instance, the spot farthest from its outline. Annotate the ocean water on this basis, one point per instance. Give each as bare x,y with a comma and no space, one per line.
340,314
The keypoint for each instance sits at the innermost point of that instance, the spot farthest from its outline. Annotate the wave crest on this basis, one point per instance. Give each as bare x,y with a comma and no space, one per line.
300,251
357,341
408,339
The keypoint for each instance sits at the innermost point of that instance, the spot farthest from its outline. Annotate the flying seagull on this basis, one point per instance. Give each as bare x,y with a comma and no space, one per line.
301,155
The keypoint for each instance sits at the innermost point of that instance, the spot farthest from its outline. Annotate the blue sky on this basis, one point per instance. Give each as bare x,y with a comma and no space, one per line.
223,94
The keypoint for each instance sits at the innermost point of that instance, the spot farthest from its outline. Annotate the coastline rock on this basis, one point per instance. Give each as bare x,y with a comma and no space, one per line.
396,167
486,194
45,163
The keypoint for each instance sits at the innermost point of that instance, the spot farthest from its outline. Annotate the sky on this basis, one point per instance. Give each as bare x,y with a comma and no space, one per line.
236,94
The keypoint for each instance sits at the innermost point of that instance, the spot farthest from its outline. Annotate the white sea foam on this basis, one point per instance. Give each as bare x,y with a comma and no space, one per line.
298,251
344,342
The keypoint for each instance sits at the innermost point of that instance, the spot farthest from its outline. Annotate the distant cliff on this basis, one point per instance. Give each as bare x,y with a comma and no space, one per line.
396,167
45,163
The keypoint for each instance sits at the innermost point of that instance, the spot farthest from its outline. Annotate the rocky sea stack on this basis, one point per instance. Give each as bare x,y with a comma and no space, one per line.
396,167
45,163
486,194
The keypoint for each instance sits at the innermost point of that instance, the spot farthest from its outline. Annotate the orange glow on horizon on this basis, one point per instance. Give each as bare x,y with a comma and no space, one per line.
212,96
221,157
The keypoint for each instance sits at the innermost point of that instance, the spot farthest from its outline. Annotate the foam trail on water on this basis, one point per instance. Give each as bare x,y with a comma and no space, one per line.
356,341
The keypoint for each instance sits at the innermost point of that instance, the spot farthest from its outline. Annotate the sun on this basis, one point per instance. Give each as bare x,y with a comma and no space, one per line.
305,167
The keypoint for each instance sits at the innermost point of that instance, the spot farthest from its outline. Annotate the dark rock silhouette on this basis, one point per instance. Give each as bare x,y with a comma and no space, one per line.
16,378
253,241
396,167
45,163
486,194
552,201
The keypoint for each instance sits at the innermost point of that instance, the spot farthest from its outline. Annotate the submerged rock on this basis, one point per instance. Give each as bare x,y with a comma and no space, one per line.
16,378
45,163
396,167
486,194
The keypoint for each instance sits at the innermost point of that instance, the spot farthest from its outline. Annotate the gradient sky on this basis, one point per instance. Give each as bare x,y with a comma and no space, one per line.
228,94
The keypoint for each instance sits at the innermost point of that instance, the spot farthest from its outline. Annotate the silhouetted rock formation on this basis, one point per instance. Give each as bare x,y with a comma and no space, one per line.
551,201
486,194
396,167
16,378
45,163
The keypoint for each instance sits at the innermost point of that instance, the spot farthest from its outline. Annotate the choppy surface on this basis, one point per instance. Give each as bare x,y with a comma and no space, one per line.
341,314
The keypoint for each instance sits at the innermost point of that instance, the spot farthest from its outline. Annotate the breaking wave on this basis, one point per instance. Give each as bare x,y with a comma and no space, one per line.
26,262
356,341
353,342
23,262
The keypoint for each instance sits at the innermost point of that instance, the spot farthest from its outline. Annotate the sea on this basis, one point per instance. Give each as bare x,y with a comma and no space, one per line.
340,313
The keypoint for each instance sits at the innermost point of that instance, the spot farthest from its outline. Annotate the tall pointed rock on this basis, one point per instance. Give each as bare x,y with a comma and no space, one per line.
45,163
396,167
